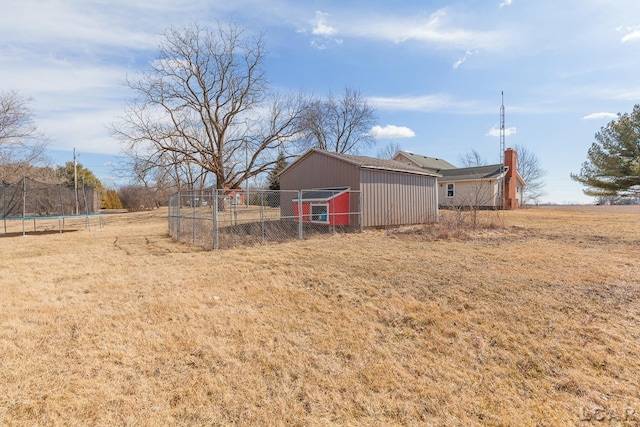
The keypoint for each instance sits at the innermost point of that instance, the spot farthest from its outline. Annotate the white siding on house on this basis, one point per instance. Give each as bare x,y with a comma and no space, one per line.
480,193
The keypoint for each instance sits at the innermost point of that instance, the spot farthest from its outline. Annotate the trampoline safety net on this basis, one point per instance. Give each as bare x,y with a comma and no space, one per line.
30,198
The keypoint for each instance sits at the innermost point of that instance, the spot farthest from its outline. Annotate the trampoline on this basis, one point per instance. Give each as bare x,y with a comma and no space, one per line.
43,205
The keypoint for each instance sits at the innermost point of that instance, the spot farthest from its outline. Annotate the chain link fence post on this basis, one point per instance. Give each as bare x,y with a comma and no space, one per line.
215,219
262,200
178,228
300,215
360,210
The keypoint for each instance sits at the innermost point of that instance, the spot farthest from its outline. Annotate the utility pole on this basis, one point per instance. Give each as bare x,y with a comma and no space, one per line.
75,178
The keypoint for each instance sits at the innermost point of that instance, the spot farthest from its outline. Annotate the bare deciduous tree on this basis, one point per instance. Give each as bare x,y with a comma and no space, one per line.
21,144
472,159
530,170
388,151
139,197
206,103
341,125
167,169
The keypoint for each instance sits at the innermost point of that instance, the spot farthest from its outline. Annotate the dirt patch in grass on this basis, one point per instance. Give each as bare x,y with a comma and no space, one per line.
534,321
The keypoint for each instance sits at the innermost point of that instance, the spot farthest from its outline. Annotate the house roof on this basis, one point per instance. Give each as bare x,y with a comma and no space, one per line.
475,173
449,172
368,163
472,173
426,162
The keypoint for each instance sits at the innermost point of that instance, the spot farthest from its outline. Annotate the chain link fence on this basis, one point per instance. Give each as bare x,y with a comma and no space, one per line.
223,219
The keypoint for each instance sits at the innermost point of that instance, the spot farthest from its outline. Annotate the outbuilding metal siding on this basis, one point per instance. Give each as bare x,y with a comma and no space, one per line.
392,198
392,193
315,170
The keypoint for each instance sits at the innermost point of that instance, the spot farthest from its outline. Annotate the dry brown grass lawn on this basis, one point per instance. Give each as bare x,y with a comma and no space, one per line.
535,323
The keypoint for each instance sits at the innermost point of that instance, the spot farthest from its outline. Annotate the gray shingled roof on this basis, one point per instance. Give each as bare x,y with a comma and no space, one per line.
427,162
373,163
476,172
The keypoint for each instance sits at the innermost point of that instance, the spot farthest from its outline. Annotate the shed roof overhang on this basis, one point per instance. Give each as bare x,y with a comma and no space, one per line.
321,194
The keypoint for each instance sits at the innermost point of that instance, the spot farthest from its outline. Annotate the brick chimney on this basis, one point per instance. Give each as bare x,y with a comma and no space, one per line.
511,181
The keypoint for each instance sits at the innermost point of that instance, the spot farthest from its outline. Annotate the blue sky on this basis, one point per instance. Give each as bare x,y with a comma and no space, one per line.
434,70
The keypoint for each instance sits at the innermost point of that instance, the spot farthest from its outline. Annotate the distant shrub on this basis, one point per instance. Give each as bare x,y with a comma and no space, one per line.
138,197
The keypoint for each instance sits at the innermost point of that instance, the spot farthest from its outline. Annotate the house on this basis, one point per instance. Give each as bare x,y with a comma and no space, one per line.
478,186
385,191
232,197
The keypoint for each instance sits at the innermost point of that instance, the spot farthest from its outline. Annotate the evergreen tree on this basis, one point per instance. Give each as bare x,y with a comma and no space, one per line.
111,200
85,177
273,197
613,161
281,163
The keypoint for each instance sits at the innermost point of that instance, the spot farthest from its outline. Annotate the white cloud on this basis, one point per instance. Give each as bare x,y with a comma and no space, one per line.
599,116
495,131
391,132
89,131
505,3
633,34
440,29
74,102
322,44
629,92
412,103
324,32
320,27
427,104
80,26
463,59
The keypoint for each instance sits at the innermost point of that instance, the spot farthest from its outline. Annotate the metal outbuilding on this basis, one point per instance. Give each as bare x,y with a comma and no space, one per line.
391,193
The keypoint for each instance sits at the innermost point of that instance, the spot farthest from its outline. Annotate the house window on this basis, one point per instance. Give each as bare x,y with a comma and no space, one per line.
450,190
320,213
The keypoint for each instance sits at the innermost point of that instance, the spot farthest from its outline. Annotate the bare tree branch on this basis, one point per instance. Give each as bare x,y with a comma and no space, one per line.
340,124
206,101
471,159
388,151
533,174
21,144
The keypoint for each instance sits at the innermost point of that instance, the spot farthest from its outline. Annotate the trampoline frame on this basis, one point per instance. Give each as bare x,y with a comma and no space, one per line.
60,218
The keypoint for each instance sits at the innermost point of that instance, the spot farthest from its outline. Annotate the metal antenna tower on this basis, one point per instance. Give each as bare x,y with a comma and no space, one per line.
503,187
502,132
